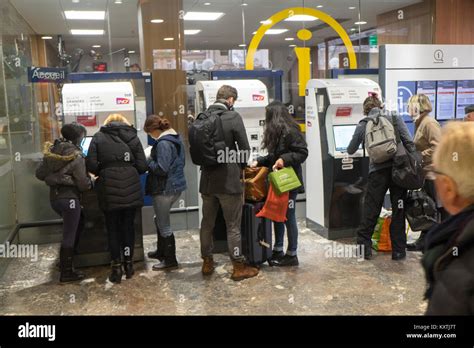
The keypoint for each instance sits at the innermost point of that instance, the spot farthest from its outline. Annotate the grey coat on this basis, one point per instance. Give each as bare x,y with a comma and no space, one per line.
226,178
359,137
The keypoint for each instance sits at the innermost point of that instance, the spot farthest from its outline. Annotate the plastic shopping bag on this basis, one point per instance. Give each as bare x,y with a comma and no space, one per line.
276,206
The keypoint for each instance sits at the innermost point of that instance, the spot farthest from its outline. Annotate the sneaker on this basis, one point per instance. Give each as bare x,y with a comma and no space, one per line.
287,261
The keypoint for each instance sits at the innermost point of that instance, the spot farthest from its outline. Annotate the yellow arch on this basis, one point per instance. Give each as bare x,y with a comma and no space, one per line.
278,17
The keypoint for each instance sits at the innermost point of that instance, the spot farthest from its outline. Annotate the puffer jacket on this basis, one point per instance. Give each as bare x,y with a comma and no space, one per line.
64,170
449,265
116,156
293,150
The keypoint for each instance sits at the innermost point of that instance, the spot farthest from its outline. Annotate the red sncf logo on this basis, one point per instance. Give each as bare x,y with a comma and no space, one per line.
122,101
258,97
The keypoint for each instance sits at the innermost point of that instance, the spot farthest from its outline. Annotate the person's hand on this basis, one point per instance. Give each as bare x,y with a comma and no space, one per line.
279,164
253,164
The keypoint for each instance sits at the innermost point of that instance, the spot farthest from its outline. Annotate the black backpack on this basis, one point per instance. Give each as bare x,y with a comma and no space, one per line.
420,211
206,138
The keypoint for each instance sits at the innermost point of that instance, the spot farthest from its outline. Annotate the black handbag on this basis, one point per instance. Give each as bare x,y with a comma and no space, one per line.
407,170
420,211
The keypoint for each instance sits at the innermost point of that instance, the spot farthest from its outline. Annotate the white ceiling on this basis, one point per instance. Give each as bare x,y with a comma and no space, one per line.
46,17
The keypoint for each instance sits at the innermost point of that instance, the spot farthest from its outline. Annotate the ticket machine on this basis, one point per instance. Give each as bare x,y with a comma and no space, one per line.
251,102
89,104
335,181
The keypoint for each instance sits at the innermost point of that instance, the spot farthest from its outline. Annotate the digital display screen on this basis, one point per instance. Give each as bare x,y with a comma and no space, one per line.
445,100
86,142
465,97
428,88
99,67
343,136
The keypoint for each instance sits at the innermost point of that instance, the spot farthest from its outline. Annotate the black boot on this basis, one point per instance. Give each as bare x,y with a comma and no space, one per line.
68,274
419,244
116,275
276,257
159,253
128,267
169,262
287,261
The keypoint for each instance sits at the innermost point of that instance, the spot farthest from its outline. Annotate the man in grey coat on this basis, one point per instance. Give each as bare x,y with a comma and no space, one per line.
379,181
221,185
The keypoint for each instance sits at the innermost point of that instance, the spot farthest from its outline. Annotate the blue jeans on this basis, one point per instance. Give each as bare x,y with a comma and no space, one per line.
162,205
291,228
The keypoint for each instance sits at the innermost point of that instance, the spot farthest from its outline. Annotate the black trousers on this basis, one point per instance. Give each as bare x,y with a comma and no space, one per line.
121,232
378,184
430,189
73,220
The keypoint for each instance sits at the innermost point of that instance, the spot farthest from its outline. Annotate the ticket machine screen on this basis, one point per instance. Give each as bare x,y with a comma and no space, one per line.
86,142
343,136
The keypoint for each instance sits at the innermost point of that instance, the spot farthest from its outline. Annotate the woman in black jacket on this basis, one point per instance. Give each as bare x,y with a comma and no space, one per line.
286,147
116,156
64,171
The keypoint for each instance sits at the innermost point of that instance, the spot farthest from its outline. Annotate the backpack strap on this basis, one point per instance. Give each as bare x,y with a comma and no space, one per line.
395,127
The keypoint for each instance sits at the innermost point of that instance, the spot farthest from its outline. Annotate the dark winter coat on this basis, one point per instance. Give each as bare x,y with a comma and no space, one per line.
64,170
166,166
226,178
449,265
293,150
116,156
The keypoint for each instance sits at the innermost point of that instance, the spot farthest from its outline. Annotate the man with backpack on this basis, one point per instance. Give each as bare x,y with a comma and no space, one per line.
378,133
217,131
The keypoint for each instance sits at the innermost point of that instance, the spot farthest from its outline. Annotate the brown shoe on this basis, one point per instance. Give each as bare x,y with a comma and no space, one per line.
208,265
243,271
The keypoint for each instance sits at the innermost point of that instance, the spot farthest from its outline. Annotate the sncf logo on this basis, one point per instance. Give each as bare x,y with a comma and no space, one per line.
122,101
258,97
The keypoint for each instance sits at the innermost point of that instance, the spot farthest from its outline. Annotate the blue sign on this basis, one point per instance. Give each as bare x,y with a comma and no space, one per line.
406,89
49,75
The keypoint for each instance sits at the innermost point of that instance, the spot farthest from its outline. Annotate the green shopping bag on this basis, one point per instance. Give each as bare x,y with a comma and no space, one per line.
284,180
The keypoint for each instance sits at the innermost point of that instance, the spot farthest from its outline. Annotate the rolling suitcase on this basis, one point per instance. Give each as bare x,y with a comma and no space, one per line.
256,235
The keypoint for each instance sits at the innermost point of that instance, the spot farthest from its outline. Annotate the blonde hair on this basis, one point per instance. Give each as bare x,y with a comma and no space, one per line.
420,104
454,156
116,118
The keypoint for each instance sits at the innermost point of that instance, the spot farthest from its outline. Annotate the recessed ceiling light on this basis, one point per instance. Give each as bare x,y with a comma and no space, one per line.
207,4
168,38
242,45
360,23
352,7
75,1
353,29
266,21
118,2
191,31
319,6
47,37
96,46
86,32
289,38
131,52
301,18
245,4
292,45
89,15
274,31
157,20
203,16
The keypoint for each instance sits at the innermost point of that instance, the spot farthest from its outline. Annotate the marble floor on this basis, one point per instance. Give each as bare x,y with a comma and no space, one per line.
323,284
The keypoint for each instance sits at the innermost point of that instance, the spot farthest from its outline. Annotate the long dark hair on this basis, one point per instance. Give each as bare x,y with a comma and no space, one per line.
278,122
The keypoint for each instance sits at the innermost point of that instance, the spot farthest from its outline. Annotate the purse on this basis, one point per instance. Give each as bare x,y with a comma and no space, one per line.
284,180
407,170
255,184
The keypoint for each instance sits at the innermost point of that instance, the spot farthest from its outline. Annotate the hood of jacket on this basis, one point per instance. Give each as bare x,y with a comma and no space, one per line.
125,132
59,154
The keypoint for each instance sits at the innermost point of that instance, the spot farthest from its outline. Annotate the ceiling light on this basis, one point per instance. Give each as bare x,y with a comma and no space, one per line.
207,4
289,38
86,32
245,4
319,6
131,52
301,18
96,46
352,7
75,1
242,45
203,16
118,2
360,23
191,31
157,20
353,29
47,37
89,15
266,21
273,31
292,45
168,38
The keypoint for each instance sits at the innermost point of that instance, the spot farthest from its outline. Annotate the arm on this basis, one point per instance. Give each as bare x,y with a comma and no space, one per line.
160,164
79,174
41,172
433,135
357,138
92,163
405,136
266,161
240,136
297,150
